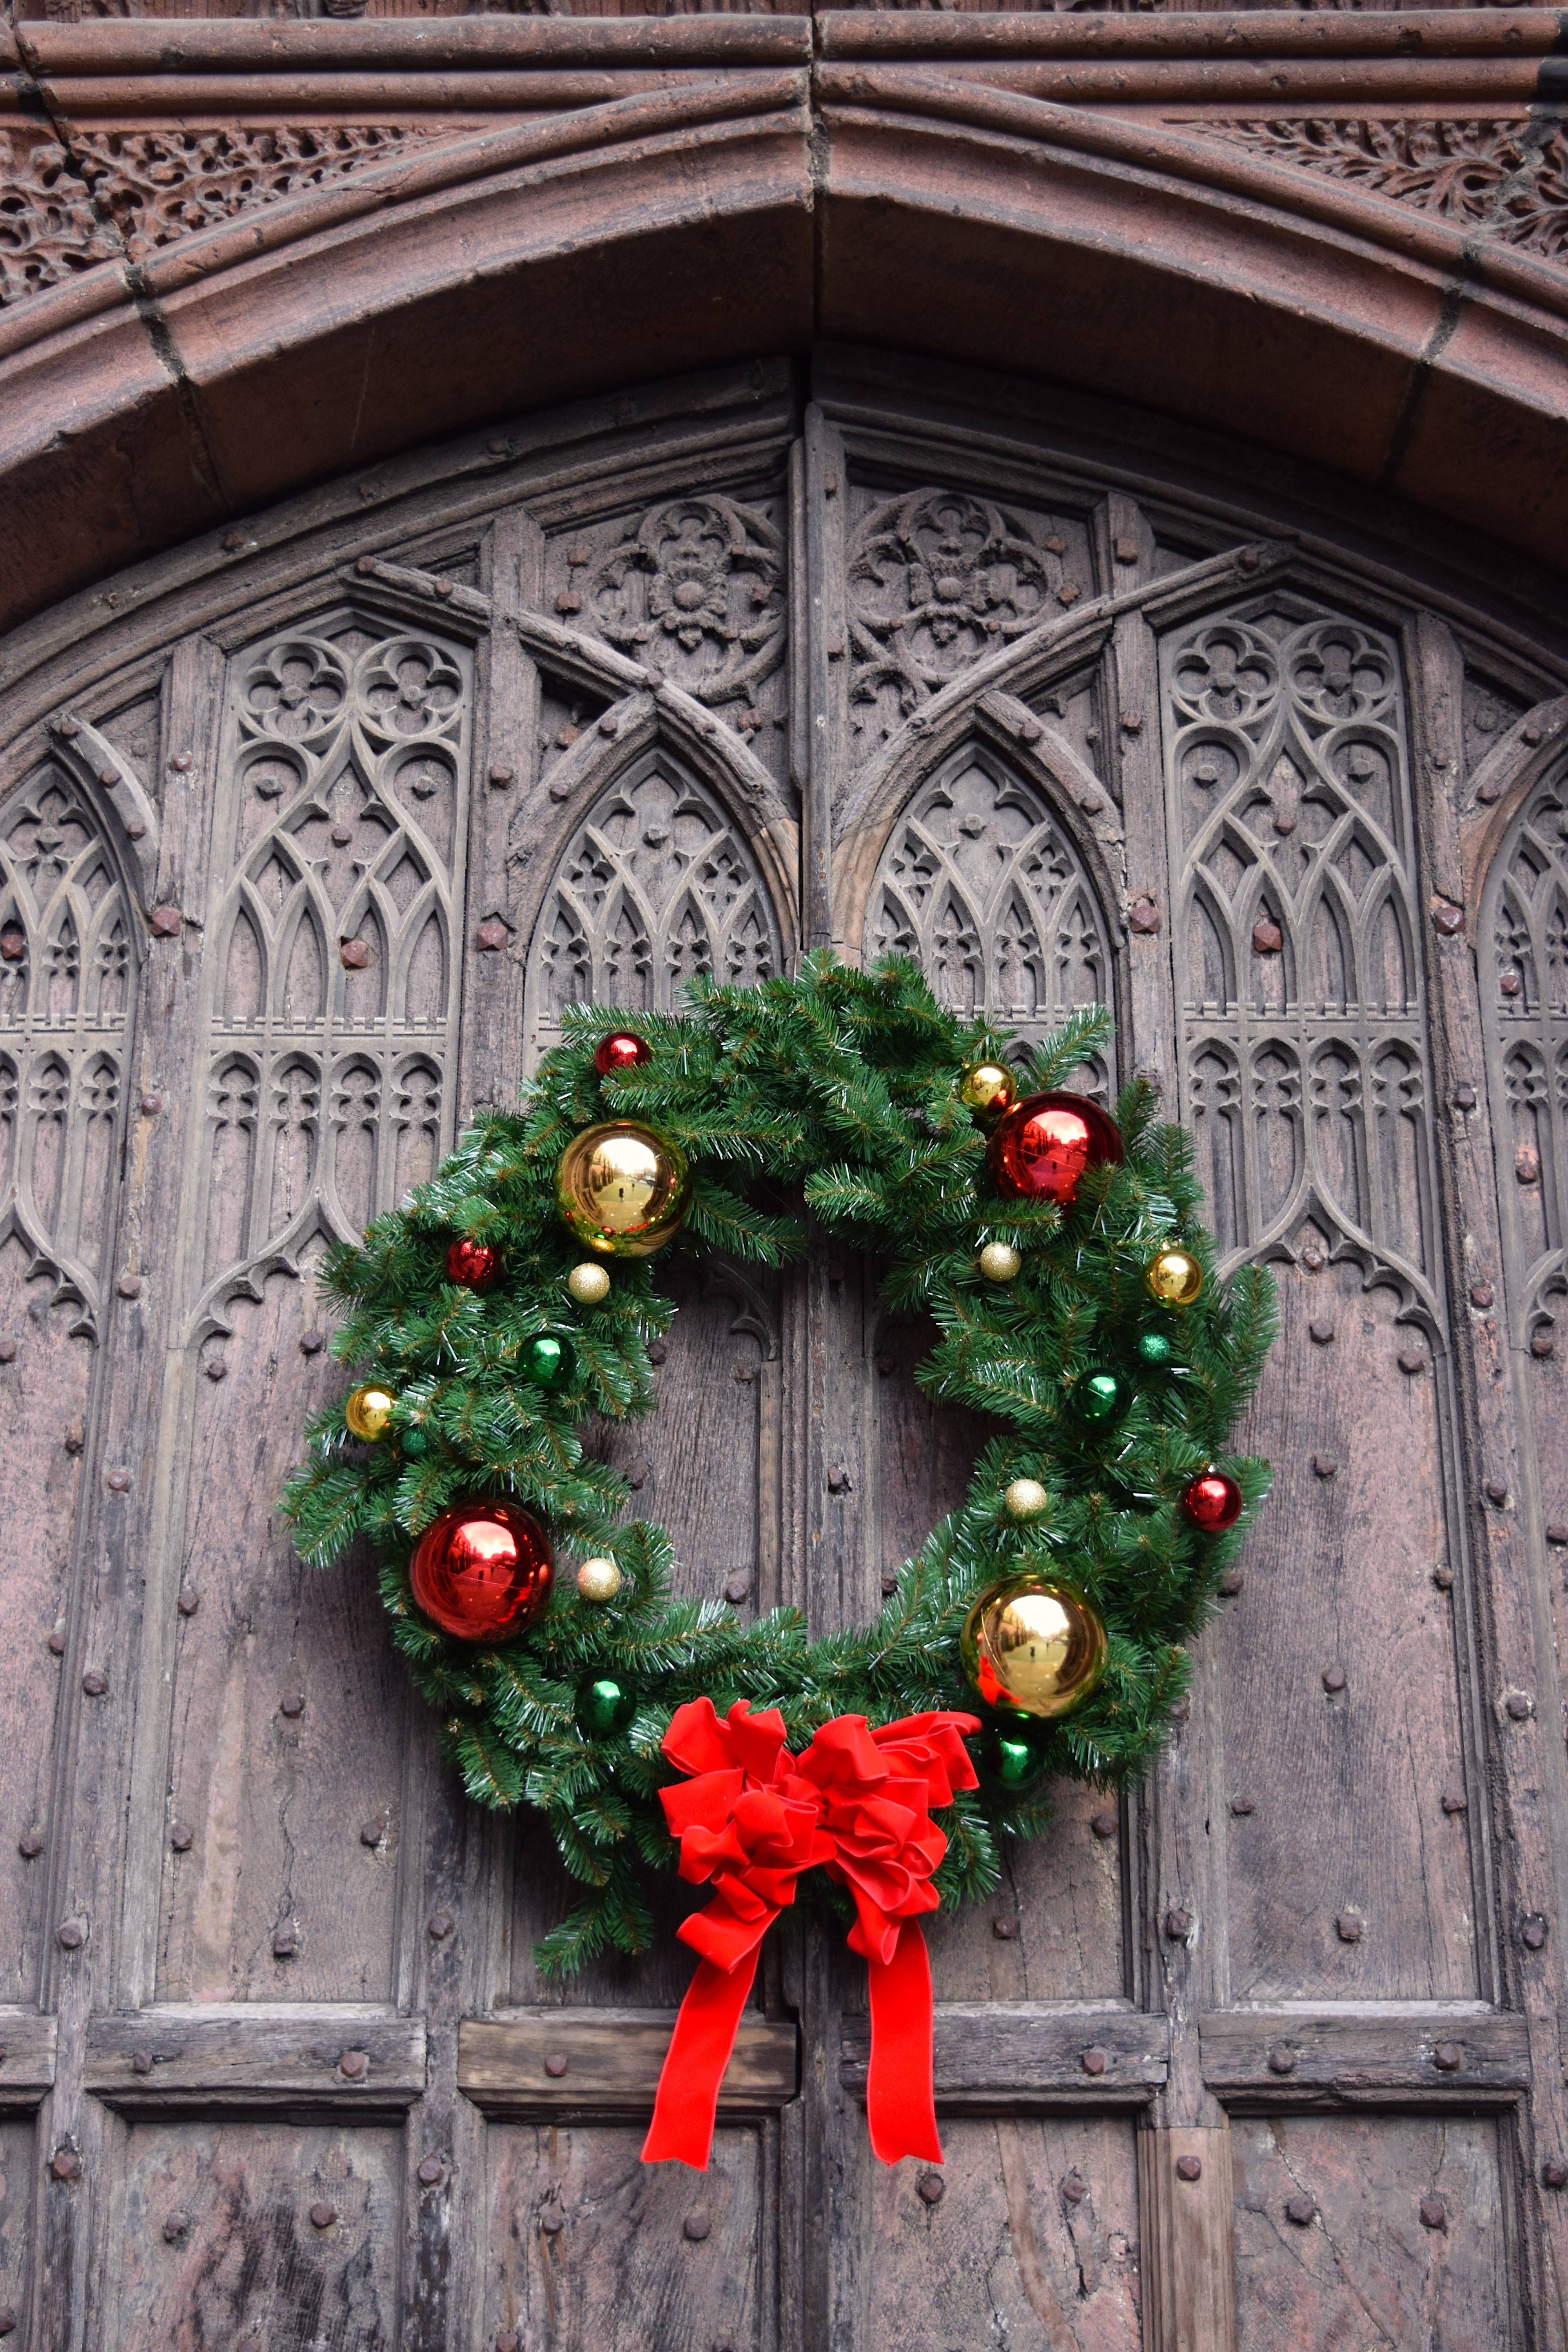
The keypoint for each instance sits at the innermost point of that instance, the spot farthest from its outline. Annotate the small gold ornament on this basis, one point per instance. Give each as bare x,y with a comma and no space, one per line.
598,1580
368,1410
589,1284
1174,1277
1033,1646
1026,1498
623,1189
987,1089
1000,1262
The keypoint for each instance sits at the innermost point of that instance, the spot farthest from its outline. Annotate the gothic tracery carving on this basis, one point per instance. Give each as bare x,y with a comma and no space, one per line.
161,185
334,999
656,885
1296,940
66,971
983,887
48,230
1525,919
696,589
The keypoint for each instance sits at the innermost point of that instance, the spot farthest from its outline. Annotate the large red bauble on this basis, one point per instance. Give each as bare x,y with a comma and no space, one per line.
1212,1502
483,1570
473,1263
623,1049
1041,1150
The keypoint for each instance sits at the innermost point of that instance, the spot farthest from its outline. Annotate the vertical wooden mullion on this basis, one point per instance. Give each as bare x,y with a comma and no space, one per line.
824,653
1524,1869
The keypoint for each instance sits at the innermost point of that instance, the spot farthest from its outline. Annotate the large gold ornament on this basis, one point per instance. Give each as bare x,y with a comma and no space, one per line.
1174,1277
987,1089
368,1410
1033,1646
623,1189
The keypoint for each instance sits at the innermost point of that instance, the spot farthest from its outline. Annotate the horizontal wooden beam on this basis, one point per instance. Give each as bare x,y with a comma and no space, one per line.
257,2055
1022,2052
607,2060
27,2057
1422,2055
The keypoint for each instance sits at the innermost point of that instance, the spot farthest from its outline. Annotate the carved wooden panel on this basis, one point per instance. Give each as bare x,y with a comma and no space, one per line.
657,885
981,885
340,841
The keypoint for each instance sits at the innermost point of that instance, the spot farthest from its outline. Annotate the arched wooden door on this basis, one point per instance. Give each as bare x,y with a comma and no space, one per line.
300,859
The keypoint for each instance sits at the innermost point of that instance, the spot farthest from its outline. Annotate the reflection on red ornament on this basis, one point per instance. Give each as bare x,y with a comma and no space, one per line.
1042,1150
473,1263
1212,1502
483,1571
622,1050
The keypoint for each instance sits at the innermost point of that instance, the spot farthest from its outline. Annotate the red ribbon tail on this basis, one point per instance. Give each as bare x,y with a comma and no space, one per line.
687,2100
900,2095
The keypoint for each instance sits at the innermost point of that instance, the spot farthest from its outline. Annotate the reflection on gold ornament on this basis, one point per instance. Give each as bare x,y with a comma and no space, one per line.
1174,1277
368,1410
1035,1646
987,1089
623,1189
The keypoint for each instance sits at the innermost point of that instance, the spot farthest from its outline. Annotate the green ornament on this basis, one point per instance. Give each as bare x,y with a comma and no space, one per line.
1154,1348
1100,1396
605,1708
414,1442
1012,1763
547,1361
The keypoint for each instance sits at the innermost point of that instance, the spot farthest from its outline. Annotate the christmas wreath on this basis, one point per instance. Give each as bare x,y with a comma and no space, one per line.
1039,1630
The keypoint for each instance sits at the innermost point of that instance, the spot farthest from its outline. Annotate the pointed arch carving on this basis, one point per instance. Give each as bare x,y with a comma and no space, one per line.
1295,936
333,1000
69,945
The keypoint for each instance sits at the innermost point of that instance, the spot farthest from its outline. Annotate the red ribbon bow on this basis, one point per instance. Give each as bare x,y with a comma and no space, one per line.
749,1820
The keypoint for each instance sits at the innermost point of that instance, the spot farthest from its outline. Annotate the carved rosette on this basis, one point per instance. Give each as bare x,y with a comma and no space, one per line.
935,581
1297,952
696,591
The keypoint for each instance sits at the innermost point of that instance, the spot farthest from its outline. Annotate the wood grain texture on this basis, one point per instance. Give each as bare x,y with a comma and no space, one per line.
1184,2195
588,2246
612,2061
1372,2053
1364,2266
1021,2053
1033,2243
256,2054
19,2170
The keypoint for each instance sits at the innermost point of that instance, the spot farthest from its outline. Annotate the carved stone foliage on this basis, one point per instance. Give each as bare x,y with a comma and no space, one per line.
159,186
1509,179
1296,934
982,887
696,589
48,230
656,885
936,580
66,971
1524,941
334,942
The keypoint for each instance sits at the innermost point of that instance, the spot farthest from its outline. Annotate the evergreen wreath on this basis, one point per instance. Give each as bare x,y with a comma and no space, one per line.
846,1086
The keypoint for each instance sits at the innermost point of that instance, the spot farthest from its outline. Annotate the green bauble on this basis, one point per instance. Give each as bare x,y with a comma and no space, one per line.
604,1708
414,1443
1154,1348
1101,1396
1013,1763
547,1361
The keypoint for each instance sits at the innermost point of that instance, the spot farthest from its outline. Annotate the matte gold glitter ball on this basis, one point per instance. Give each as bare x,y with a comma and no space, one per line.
598,1580
1026,1498
988,1088
1174,1277
368,1410
1000,1262
623,1189
1033,1646
589,1284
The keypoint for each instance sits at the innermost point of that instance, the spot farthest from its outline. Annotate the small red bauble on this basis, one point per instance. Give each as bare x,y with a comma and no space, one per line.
483,1570
623,1049
1212,1502
473,1263
1042,1150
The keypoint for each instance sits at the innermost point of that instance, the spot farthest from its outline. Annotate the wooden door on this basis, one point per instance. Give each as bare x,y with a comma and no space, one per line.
301,861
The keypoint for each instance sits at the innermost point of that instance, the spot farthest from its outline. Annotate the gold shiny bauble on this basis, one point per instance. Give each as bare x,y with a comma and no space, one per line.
1033,1646
1000,1262
368,1410
1026,1498
987,1089
1174,1277
623,1189
598,1580
589,1284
